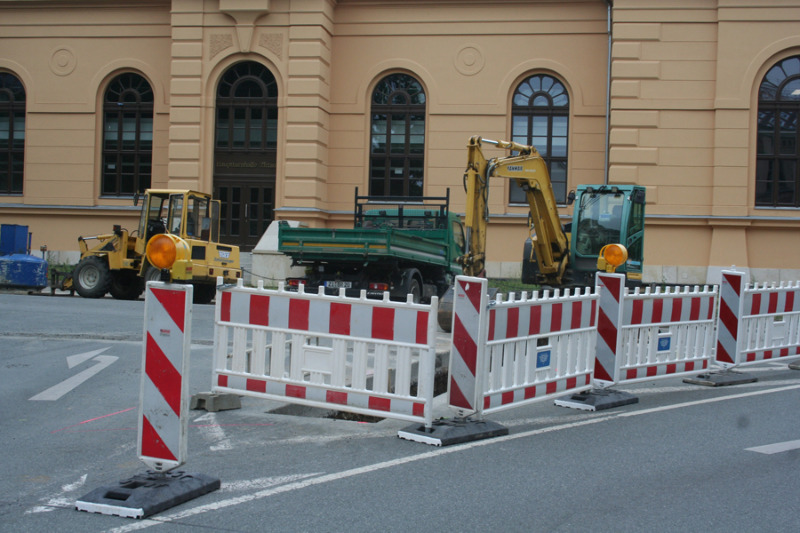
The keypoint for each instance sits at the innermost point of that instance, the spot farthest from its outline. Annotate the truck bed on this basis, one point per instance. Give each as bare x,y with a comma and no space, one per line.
363,245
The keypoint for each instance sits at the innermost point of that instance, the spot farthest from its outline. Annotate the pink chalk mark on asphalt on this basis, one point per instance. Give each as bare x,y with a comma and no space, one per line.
132,429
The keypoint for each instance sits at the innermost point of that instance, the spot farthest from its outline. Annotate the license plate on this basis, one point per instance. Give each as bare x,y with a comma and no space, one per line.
338,284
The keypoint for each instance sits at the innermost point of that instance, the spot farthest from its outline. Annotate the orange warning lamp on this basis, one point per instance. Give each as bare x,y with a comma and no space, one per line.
611,257
164,249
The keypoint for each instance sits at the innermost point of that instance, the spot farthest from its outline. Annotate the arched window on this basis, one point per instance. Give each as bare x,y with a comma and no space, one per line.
397,143
127,136
777,156
540,118
247,109
12,134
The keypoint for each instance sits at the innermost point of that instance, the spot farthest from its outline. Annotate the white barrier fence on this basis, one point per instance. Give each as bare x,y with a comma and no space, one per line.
666,333
645,335
757,323
539,348
508,353
348,354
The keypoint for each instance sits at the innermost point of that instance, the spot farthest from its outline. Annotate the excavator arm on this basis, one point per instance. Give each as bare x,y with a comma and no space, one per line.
528,170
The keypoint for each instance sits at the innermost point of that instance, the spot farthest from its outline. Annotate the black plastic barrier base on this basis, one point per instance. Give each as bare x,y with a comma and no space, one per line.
147,494
446,432
597,400
795,365
721,379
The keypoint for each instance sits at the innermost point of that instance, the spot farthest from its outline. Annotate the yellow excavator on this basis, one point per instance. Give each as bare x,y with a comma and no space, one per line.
554,255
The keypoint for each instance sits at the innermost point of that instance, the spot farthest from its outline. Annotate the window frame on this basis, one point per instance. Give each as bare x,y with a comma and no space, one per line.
128,100
530,112
235,80
773,165
14,101
397,98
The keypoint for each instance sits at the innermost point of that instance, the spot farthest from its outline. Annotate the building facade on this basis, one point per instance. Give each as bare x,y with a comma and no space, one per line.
282,108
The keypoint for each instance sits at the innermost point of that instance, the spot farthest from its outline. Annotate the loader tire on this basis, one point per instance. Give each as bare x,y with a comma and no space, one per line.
91,277
125,285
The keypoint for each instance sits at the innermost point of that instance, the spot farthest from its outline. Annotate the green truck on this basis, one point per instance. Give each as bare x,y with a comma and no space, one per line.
399,245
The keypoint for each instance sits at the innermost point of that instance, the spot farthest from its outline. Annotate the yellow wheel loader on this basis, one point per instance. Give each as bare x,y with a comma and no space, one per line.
116,262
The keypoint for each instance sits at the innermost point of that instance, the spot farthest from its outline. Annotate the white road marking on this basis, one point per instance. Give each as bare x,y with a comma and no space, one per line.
298,485
262,483
57,391
75,360
213,432
778,447
59,501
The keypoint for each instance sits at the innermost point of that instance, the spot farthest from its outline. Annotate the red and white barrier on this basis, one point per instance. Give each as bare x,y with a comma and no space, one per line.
647,335
509,353
666,333
539,348
349,354
163,400
757,323
467,352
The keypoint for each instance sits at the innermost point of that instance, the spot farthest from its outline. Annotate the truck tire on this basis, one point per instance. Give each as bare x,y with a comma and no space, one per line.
412,286
125,285
92,277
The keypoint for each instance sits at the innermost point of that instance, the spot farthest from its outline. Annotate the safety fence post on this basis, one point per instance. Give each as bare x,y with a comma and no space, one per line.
359,355
163,414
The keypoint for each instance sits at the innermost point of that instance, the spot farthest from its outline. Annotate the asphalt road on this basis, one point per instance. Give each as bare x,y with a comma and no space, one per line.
682,459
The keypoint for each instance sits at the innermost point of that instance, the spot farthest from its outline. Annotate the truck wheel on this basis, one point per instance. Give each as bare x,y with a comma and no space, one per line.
92,277
412,286
125,285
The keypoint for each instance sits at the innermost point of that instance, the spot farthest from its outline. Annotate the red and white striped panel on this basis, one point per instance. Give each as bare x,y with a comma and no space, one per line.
469,340
538,390
772,301
664,370
360,402
609,321
163,399
659,308
730,314
508,320
322,315
774,353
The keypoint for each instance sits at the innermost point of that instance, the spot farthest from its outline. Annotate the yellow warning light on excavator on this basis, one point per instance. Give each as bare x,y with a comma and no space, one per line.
611,257
164,249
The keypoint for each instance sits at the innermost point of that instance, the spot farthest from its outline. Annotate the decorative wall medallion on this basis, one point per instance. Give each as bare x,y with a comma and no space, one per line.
63,61
469,60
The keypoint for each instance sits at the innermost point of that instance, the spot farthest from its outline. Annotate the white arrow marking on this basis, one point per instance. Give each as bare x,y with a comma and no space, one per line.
57,391
75,360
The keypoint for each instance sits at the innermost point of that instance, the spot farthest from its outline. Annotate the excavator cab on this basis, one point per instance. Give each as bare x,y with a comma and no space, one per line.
603,215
